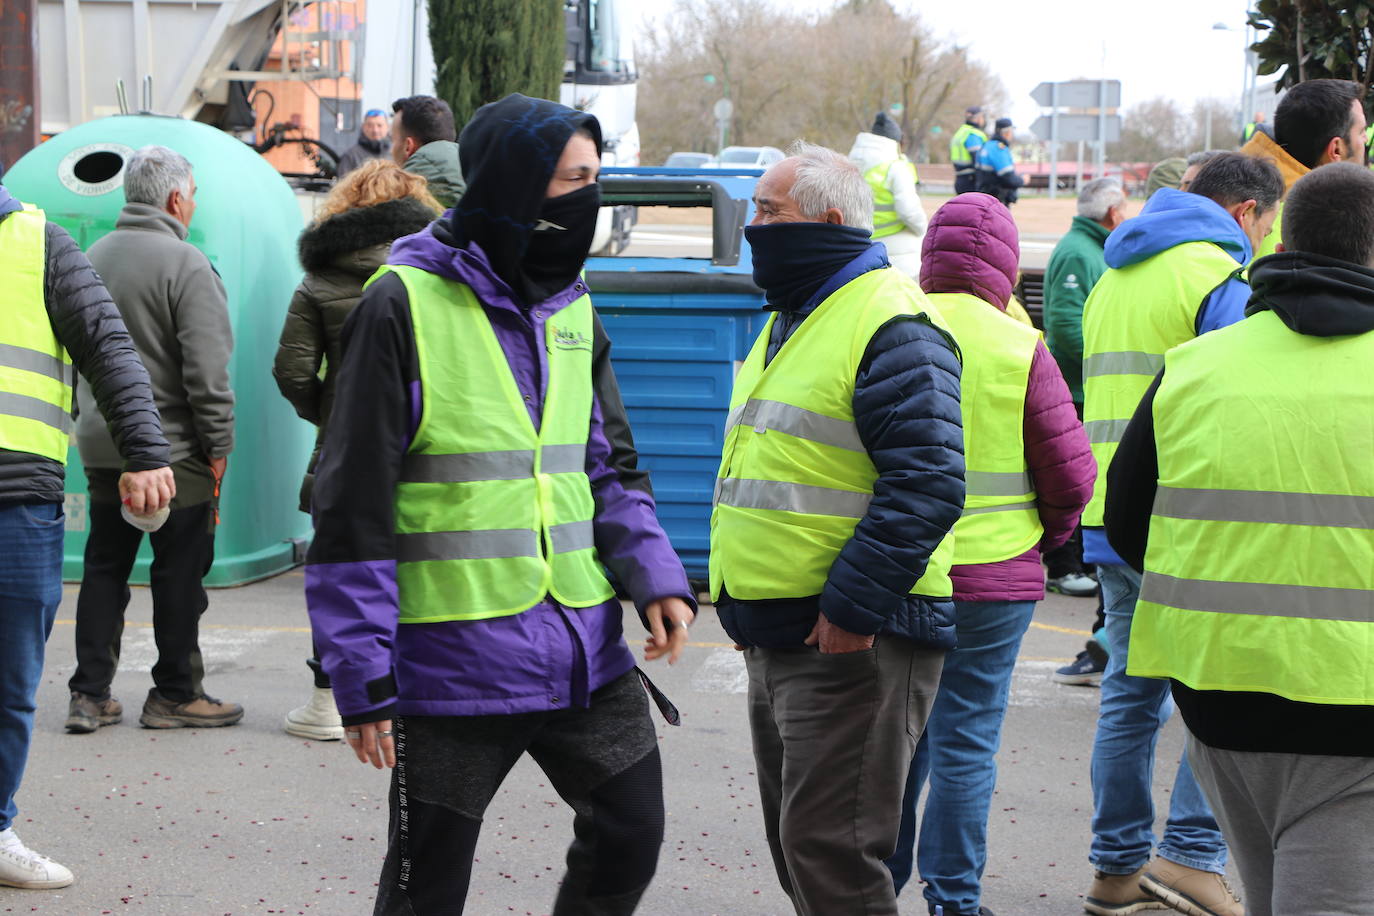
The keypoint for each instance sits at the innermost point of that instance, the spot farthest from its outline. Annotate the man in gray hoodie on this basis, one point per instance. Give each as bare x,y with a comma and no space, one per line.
174,305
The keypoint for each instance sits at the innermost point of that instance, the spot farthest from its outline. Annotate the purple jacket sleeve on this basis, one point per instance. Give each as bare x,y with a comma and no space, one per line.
629,539
350,574
1057,451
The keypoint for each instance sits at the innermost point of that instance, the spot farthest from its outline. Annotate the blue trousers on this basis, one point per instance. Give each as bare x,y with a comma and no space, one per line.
1132,711
30,591
958,754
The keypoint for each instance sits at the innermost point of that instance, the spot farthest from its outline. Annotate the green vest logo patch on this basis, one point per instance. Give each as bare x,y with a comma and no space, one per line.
568,339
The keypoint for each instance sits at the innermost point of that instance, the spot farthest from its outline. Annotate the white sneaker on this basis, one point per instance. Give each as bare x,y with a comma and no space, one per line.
317,720
1075,585
24,868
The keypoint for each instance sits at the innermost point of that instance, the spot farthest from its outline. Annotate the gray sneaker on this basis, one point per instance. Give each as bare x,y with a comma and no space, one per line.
201,712
86,713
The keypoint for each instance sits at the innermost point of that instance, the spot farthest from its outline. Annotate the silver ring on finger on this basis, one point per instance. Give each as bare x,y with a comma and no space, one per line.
383,734
353,736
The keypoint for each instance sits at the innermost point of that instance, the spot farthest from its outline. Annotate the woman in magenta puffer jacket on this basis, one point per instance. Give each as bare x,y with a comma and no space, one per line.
1021,502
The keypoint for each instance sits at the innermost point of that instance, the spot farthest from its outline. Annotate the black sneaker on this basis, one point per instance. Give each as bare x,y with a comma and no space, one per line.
86,713
1083,671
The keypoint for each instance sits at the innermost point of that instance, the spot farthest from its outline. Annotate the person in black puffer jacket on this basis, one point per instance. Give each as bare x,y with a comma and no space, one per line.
842,474
370,208
74,318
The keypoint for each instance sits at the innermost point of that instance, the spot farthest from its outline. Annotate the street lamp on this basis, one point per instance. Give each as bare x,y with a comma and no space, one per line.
1251,74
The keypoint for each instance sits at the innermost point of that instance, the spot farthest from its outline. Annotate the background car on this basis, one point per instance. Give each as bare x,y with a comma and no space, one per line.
689,161
749,157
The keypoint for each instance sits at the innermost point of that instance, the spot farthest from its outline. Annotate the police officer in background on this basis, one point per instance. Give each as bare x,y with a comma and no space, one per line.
964,147
996,165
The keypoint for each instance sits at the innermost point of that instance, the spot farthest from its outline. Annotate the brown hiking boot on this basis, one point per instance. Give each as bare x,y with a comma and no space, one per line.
1117,895
86,713
202,712
1190,890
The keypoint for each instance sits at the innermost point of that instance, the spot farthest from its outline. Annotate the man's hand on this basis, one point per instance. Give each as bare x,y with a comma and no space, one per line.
372,742
217,466
668,619
835,641
146,492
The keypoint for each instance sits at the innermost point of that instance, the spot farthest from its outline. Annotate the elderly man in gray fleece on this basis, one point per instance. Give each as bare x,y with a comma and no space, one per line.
174,305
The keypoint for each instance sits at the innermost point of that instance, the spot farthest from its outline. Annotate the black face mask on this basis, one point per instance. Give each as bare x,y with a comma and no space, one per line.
374,146
559,244
792,261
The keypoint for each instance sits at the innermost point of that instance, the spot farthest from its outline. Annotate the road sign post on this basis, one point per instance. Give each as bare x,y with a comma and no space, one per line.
723,110
1086,120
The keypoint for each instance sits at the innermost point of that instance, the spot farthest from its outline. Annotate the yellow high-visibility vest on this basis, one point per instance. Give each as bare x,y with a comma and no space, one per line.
1261,549
1131,318
1000,519
492,514
795,478
35,370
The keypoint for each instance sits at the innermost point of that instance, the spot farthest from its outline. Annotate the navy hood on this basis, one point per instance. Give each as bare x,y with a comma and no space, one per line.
508,152
7,203
1171,218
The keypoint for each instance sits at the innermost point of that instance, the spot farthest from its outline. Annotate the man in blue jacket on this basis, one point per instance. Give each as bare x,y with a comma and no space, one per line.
1173,273
841,475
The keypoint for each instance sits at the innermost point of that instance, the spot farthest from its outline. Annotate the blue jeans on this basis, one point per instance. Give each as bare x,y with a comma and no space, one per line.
958,753
1132,711
30,591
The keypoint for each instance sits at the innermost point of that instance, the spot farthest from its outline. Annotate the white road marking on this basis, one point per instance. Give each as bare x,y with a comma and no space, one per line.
219,648
1031,686
722,672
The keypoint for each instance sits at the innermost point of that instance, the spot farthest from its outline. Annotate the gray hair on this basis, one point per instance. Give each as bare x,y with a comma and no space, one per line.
153,173
1099,196
825,180
1202,157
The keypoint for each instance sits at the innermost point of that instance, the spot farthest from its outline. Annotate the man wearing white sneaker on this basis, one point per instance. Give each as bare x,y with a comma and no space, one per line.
56,317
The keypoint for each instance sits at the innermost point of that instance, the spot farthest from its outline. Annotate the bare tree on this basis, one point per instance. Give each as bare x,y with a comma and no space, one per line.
790,74
1151,131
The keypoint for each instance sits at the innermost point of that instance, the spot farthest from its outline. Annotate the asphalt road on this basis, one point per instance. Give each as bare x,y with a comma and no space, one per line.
247,820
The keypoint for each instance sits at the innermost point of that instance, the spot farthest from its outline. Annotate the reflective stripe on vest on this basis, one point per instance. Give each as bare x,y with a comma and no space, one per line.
1131,318
492,516
958,151
795,478
1000,520
1261,548
885,219
35,371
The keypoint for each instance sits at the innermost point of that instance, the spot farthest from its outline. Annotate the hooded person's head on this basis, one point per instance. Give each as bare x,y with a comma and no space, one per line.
531,202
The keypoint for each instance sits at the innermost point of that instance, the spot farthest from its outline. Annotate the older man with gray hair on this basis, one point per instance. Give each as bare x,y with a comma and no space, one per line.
174,305
841,476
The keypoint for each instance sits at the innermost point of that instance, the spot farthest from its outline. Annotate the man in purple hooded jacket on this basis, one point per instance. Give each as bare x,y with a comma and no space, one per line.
449,693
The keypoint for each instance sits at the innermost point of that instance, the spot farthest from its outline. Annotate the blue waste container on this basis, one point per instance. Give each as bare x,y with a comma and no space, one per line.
680,327
246,221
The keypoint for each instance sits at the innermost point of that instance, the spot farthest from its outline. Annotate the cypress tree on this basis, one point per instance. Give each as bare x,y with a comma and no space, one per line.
485,49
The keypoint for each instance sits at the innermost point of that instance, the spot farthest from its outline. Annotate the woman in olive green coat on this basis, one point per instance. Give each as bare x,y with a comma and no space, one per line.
350,238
